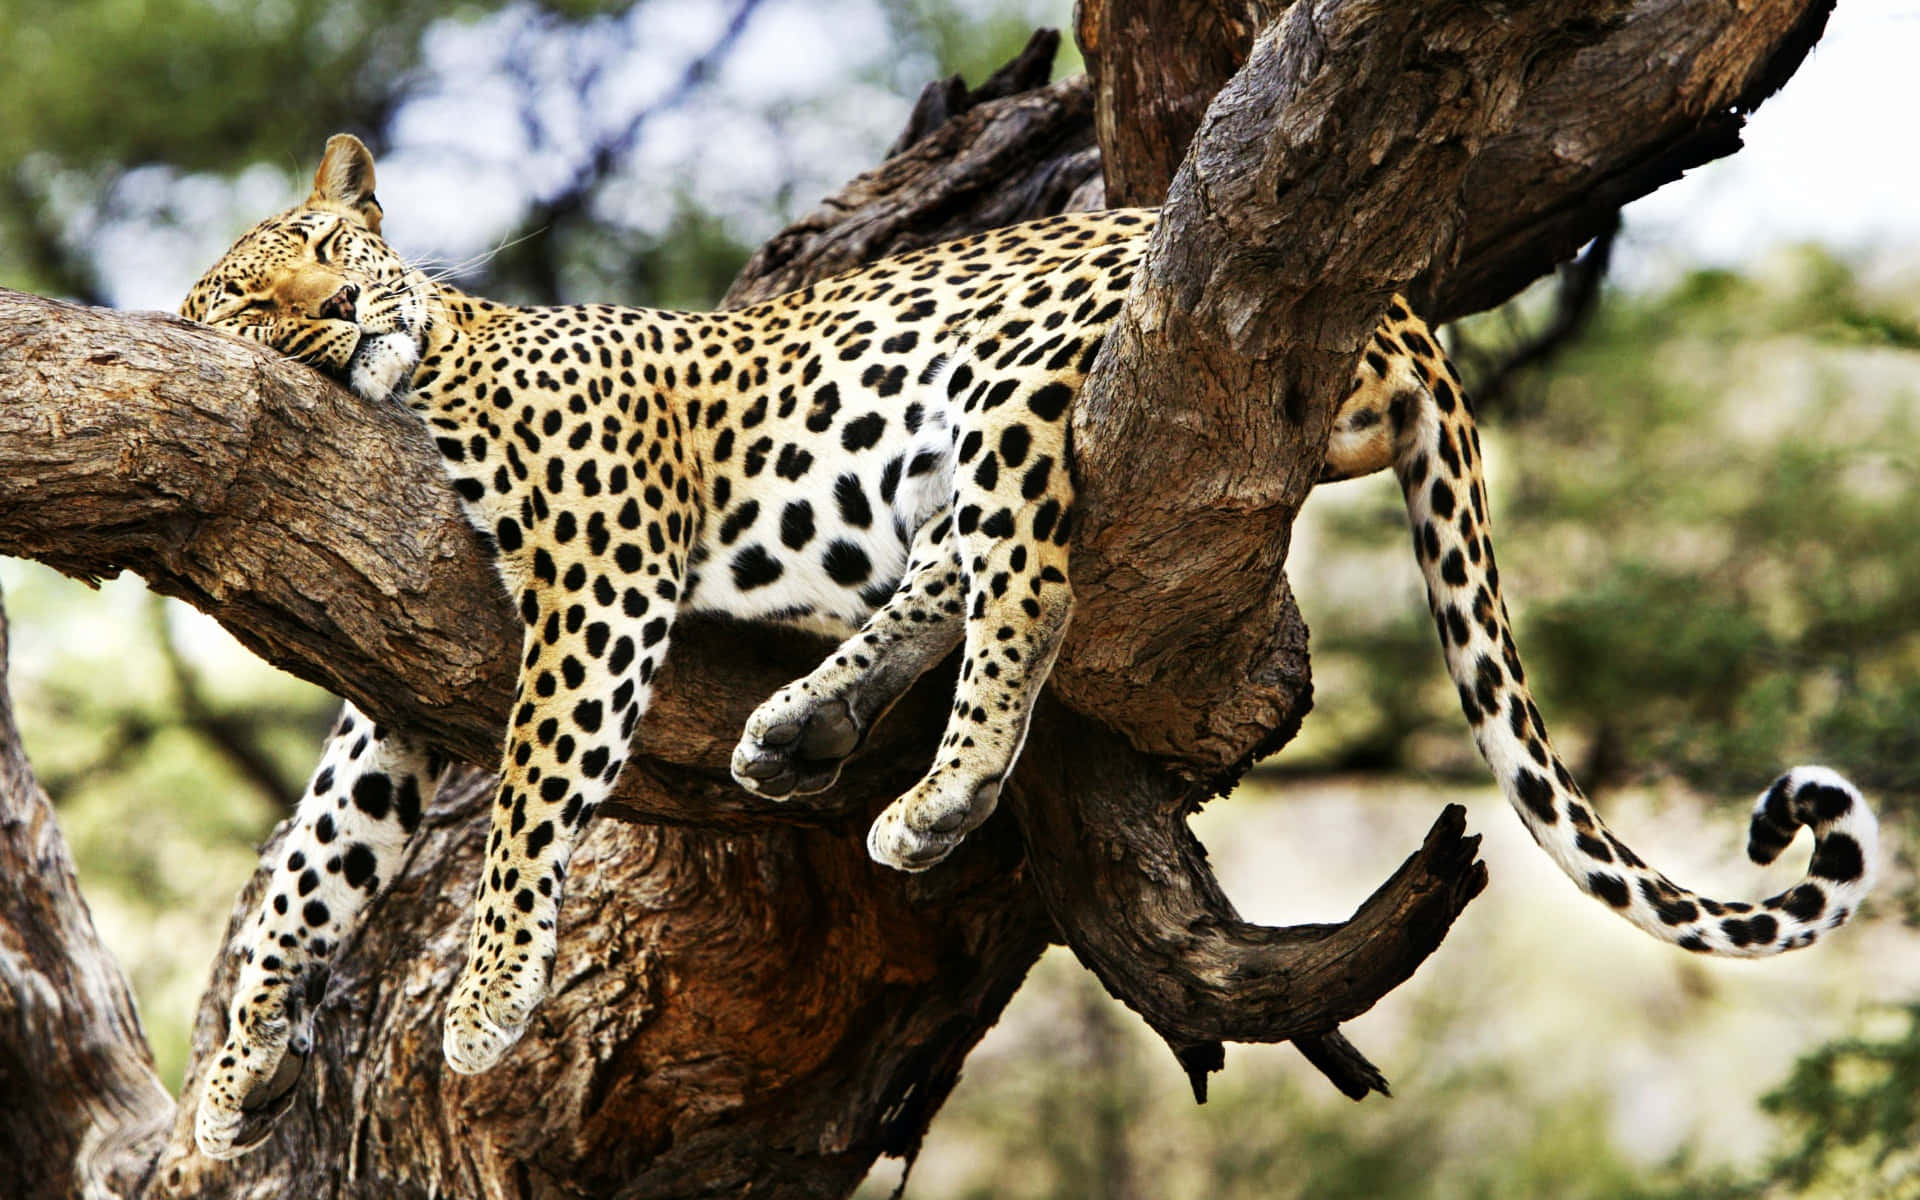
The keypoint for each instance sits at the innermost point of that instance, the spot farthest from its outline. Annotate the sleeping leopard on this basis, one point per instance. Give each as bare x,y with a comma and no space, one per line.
885,454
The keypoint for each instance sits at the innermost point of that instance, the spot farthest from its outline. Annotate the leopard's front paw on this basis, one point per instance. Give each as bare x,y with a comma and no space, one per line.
250,1084
794,743
923,826
488,1013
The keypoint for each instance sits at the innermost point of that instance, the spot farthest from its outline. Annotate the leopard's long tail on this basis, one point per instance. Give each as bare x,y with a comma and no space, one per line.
1438,463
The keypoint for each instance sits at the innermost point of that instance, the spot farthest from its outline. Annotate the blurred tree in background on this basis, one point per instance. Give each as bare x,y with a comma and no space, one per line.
1705,505
653,150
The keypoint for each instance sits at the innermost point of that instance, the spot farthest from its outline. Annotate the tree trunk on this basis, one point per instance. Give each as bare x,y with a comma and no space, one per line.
742,1001
80,1107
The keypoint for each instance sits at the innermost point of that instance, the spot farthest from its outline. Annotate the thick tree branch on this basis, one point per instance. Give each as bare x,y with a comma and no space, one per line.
1668,88
730,1014
318,527
1680,75
1201,43
1151,921
1355,156
1342,164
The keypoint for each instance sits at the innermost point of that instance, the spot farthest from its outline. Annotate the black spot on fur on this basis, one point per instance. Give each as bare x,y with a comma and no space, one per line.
1837,858
1537,794
373,795
1014,441
862,432
1805,902
796,525
851,499
754,567
1050,401
1593,847
1826,803
538,838
846,564
1033,484
737,521
358,864
1610,888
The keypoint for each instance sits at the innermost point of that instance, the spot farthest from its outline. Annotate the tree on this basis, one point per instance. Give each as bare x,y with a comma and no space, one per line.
742,999
89,72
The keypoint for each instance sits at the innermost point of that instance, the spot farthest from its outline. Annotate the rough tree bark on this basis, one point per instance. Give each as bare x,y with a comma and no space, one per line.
742,1001
80,1105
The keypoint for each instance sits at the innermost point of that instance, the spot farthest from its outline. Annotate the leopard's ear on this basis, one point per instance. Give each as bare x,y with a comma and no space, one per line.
345,180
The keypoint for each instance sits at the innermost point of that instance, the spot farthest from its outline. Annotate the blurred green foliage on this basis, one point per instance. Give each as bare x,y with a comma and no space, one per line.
203,85
1855,1114
117,110
1850,1113
96,88
1704,510
1762,584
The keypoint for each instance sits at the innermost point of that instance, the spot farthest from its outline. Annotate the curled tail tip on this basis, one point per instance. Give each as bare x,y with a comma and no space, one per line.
1838,877
1810,774
1826,802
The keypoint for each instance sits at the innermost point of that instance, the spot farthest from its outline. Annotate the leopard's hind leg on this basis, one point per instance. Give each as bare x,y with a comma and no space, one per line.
1012,510
360,808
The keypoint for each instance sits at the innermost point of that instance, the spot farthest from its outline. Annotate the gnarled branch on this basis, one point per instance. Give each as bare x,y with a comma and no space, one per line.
1346,161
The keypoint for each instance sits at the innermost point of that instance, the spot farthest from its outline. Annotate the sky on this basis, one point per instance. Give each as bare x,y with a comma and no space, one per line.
813,93
1829,159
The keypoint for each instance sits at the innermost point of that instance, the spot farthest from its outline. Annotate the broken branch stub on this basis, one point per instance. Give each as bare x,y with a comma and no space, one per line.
1130,891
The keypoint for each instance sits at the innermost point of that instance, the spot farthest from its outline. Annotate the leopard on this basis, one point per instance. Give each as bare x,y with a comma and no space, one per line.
887,455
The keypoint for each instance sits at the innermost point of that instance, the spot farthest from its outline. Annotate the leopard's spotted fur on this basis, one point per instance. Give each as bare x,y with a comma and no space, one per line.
885,452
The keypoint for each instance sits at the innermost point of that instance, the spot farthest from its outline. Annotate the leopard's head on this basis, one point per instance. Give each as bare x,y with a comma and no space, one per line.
318,283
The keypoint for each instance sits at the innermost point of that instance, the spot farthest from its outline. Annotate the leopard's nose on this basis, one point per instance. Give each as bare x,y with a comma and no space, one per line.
339,306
